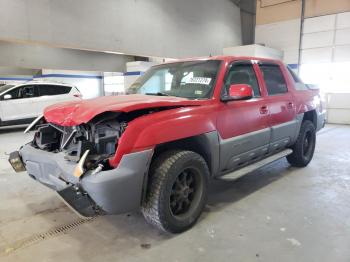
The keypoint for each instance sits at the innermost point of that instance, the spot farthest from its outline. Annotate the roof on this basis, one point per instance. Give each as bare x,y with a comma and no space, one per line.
45,82
223,58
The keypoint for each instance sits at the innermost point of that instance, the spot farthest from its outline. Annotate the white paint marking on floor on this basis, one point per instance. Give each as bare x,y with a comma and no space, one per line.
201,250
294,242
211,232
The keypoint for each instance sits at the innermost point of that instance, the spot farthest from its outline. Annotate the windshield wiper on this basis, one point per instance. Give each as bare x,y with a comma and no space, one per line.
157,94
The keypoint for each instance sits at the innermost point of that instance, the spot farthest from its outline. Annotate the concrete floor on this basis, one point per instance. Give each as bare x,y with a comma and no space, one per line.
278,213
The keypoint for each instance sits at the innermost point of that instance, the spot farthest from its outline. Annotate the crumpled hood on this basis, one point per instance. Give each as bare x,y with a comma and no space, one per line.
77,112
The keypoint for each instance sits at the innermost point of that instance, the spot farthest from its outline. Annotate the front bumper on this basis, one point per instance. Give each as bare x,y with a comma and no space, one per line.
113,191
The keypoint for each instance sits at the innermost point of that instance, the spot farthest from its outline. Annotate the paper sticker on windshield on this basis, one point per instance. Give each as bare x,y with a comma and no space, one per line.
199,80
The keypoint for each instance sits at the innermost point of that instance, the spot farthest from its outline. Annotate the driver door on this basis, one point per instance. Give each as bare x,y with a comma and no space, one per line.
243,125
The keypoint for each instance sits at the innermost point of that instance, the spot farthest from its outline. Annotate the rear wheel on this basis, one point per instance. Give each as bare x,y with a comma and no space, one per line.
177,191
304,147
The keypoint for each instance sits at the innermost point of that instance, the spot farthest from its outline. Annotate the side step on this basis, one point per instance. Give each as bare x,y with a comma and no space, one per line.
245,170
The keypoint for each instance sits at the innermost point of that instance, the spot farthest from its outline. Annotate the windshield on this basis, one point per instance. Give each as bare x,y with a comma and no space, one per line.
192,80
5,87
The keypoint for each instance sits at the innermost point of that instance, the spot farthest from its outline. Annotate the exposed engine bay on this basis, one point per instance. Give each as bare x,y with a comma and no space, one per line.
99,136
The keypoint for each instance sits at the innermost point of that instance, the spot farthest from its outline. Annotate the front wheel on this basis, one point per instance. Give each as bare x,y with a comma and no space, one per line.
304,147
177,191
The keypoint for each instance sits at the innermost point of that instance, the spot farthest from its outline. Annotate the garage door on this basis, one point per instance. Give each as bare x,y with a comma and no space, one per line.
325,55
325,61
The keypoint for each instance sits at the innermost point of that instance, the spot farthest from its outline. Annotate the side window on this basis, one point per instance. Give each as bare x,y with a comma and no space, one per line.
299,85
242,74
27,92
51,90
63,89
22,92
14,93
274,79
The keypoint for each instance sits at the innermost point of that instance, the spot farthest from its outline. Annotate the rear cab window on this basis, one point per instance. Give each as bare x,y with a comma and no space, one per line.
298,84
274,79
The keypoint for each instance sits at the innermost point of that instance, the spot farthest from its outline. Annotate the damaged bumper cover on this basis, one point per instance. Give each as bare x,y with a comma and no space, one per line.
112,191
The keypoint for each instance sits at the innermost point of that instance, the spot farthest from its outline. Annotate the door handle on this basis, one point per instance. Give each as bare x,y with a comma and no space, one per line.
290,105
264,110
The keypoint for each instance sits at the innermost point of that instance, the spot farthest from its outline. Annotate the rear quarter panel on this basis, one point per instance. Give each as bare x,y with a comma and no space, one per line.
304,100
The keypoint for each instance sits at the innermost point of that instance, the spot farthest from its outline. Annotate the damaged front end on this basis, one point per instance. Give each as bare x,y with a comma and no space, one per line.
74,161
98,138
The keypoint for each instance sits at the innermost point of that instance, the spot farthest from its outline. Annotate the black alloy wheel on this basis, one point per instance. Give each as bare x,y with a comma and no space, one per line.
176,190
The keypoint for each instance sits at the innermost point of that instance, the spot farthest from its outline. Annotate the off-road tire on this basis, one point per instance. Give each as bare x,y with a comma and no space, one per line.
304,147
165,173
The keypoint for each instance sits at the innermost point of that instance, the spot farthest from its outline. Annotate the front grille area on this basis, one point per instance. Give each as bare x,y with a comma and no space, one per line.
99,138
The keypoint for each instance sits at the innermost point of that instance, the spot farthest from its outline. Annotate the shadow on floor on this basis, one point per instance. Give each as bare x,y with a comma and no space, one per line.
223,192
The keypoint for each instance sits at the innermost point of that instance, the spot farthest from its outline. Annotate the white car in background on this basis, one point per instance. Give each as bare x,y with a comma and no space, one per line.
20,104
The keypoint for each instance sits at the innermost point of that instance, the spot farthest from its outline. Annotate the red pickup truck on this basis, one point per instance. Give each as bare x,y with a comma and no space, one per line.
181,124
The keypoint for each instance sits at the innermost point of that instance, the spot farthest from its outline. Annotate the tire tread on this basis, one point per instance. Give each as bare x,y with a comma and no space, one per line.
158,176
296,158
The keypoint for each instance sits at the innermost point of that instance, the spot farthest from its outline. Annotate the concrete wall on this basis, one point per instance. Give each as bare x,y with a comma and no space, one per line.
248,11
36,56
248,28
149,27
11,70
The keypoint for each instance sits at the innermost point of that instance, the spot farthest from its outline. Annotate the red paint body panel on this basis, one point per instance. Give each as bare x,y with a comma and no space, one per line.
191,117
240,117
150,130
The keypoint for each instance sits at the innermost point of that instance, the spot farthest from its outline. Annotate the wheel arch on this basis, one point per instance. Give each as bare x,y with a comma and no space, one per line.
206,145
312,116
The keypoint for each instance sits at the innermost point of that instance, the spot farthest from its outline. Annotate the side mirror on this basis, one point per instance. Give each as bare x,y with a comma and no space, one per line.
238,92
7,96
